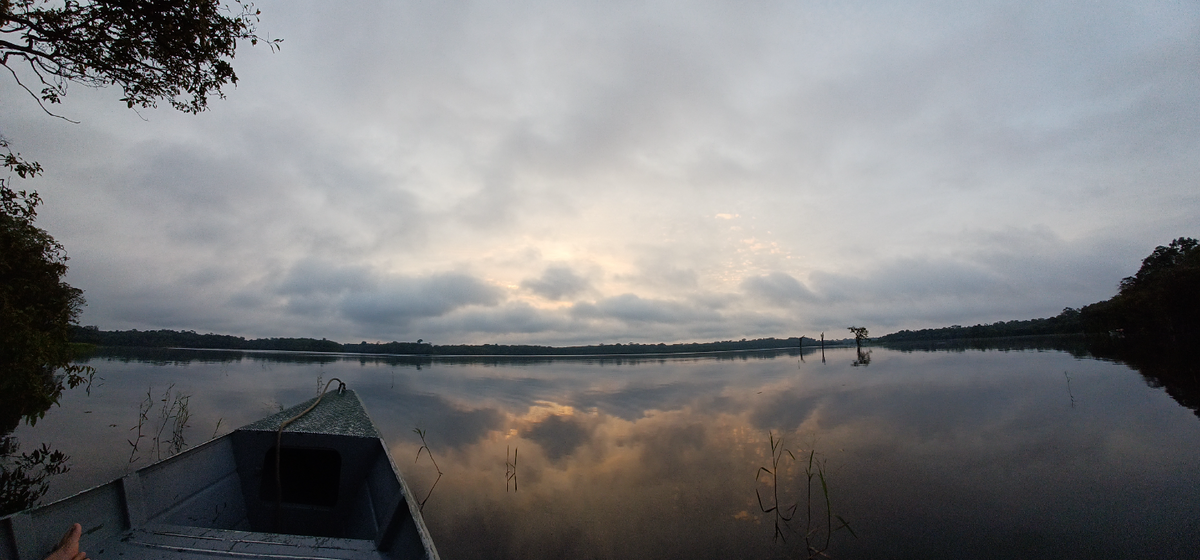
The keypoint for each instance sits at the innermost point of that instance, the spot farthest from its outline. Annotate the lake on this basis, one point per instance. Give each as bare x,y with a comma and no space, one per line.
926,454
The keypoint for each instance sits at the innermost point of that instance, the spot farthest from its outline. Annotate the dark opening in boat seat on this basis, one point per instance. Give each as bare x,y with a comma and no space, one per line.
307,477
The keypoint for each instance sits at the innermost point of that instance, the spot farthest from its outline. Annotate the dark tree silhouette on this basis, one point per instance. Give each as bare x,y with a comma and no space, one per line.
36,310
173,50
860,334
1160,304
179,51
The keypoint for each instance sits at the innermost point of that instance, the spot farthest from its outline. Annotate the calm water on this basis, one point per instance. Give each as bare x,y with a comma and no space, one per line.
977,454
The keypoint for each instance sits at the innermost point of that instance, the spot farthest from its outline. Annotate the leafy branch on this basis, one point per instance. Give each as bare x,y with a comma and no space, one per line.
176,50
24,477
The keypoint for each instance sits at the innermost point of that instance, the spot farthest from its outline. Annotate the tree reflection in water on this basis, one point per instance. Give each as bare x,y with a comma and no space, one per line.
863,357
25,477
1172,368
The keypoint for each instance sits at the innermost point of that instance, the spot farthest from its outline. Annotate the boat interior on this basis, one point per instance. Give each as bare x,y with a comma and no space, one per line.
337,493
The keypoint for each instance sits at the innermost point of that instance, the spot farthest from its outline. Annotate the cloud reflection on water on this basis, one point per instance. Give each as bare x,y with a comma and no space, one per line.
929,454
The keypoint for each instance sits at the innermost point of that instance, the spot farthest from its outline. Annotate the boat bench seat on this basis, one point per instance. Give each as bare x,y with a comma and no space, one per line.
185,542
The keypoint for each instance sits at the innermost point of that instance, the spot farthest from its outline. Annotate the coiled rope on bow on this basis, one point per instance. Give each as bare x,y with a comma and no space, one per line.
279,444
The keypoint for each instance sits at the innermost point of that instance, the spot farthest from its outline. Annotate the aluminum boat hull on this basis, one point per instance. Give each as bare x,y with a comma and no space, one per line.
342,498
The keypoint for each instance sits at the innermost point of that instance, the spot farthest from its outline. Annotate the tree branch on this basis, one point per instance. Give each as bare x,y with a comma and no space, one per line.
35,97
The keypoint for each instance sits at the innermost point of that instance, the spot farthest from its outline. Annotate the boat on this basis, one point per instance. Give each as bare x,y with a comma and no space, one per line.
331,492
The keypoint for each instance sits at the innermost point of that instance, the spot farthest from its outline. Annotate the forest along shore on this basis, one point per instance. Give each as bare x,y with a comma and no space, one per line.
190,339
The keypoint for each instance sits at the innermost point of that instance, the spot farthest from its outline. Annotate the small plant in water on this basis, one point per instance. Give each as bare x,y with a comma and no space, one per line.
812,530
425,447
174,412
781,518
143,417
1069,393
817,535
510,470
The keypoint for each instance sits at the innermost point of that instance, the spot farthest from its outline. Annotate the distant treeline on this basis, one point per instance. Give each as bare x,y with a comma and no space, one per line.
190,339
1160,306
1067,322
631,348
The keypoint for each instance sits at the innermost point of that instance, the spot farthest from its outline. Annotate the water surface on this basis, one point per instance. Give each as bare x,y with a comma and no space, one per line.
970,454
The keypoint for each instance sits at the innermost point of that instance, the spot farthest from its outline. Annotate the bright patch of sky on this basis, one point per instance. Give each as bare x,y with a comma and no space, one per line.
584,172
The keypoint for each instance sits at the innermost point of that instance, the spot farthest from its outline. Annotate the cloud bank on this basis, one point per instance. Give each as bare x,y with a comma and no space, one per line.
576,173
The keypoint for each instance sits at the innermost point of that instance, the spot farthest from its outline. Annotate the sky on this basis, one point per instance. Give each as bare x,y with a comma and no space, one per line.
578,172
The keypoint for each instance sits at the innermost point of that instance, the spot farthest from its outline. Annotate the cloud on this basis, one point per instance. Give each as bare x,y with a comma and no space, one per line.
310,276
908,279
633,309
399,300
715,174
557,283
376,300
778,288
1017,273
511,318
663,272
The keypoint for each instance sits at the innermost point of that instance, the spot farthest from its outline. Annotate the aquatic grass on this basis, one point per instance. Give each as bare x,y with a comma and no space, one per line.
425,447
179,422
813,534
781,519
174,412
510,469
817,536
143,416
1069,393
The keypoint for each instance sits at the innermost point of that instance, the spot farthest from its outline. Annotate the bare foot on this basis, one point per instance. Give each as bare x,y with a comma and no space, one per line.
68,546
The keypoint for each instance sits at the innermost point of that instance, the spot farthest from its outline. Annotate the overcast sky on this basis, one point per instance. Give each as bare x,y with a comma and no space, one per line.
585,172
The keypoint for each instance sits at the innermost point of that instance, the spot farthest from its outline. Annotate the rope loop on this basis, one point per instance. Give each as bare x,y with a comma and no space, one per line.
341,390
